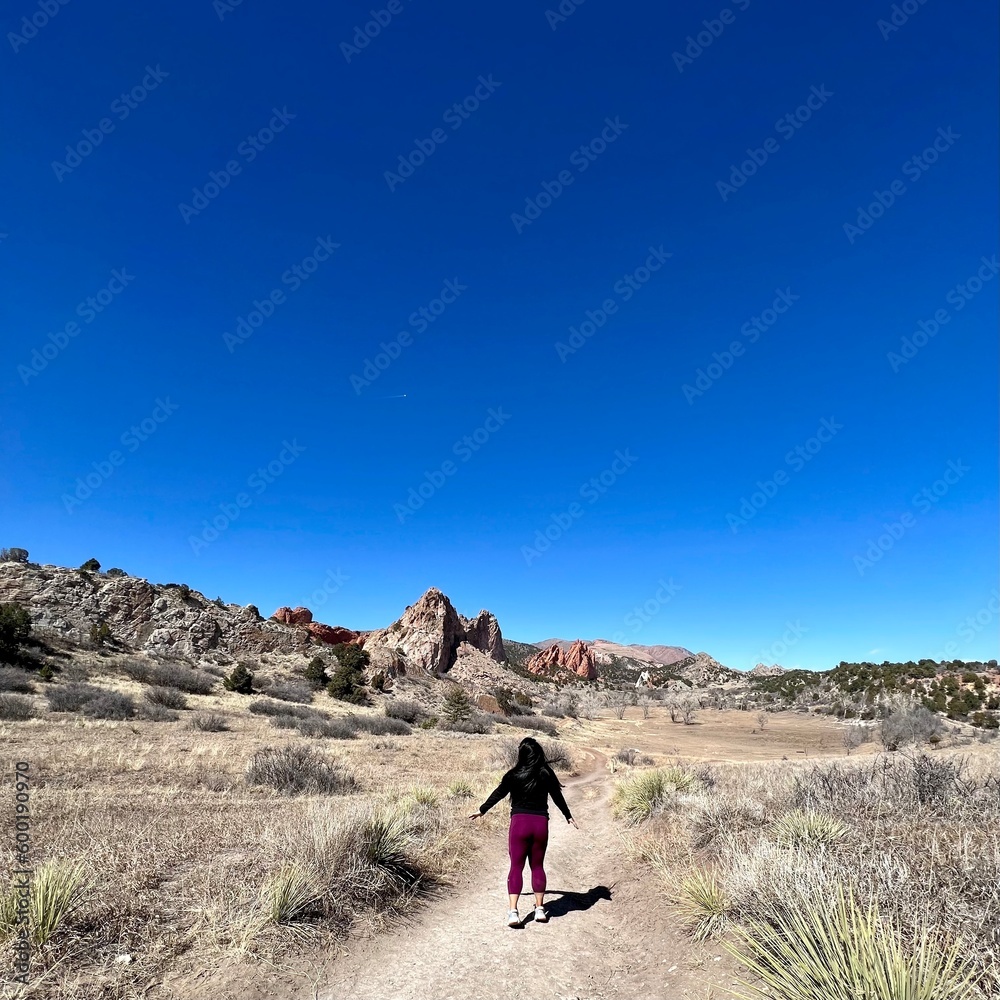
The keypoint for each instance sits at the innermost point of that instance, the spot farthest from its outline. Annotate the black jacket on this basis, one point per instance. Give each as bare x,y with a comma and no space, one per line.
524,800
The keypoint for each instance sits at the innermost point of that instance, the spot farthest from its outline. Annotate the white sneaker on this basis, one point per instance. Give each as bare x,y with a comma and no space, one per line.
541,916
513,920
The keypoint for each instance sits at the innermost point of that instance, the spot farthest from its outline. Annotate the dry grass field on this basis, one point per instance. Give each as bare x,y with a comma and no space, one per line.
201,864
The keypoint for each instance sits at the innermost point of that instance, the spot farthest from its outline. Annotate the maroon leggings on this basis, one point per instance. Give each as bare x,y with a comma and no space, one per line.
527,840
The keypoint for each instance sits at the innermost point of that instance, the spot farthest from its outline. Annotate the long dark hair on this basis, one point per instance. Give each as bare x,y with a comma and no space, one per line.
532,767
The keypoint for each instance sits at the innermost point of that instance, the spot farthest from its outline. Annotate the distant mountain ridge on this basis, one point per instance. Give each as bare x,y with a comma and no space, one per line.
603,649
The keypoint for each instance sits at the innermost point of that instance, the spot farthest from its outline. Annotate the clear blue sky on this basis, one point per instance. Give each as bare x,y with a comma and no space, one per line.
229,143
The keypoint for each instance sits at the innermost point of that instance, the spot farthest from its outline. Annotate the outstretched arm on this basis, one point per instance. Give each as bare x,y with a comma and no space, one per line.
557,797
495,796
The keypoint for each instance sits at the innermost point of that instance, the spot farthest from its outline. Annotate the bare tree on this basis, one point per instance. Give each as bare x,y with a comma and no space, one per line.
645,702
854,736
675,710
618,701
761,720
688,707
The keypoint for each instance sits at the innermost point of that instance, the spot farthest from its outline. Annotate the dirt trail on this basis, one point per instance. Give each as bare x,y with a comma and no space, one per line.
610,934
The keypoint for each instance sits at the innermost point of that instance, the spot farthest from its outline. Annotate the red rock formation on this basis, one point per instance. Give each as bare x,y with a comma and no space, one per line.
331,634
300,616
556,663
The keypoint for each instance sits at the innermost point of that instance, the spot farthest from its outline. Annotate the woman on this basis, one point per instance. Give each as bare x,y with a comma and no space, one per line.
529,783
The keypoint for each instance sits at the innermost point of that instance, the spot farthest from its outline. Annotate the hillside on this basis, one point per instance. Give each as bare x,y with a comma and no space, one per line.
966,691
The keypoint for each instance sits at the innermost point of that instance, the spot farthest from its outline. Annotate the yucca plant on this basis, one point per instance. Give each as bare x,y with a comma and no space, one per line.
705,904
288,894
57,889
835,950
808,827
640,795
678,778
460,789
376,867
637,797
424,795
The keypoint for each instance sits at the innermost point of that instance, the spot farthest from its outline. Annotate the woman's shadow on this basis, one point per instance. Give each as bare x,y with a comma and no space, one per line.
569,902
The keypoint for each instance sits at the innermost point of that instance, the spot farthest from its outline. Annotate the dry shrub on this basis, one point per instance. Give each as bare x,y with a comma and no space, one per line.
535,723
293,691
476,724
918,835
16,708
16,681
298,770
157,713
380,725
166,696
210,722
264,706
407,711
71,697
168,674
111,705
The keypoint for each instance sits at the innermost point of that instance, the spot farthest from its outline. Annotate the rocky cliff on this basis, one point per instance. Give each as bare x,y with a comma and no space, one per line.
573,663
144,615
429,634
